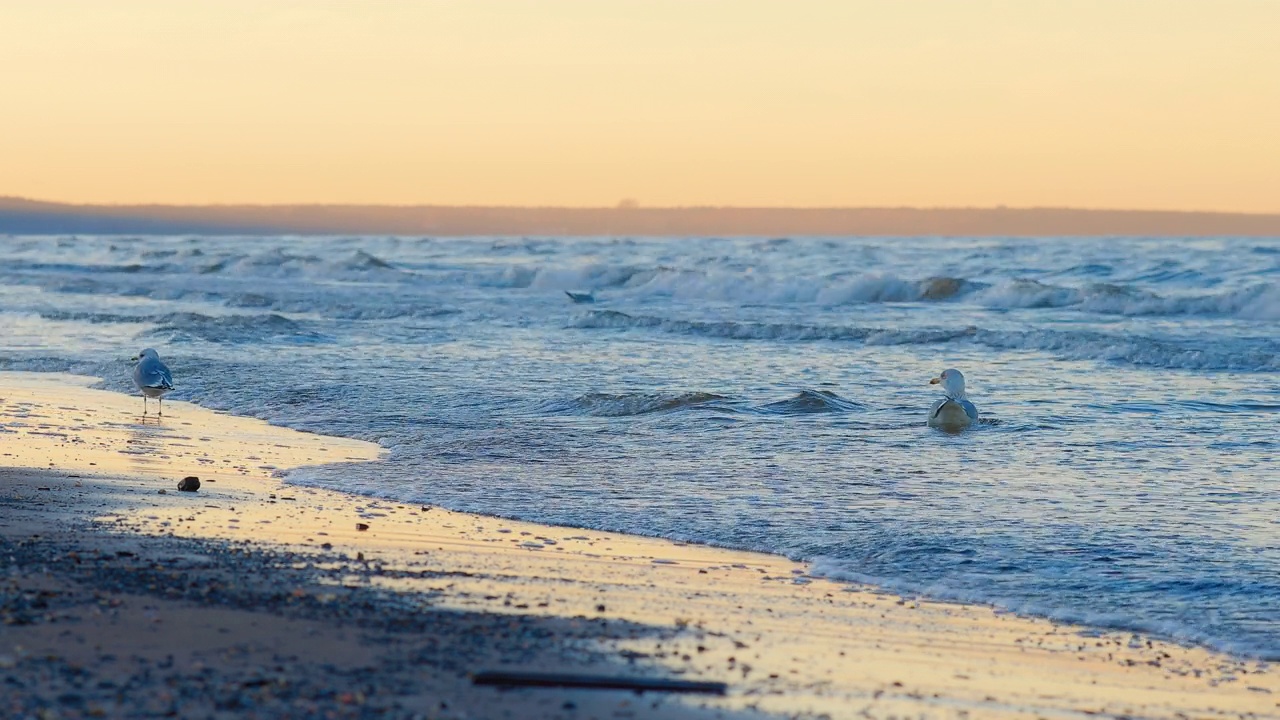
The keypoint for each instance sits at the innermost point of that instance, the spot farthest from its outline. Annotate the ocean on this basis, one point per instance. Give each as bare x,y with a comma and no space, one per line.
765,394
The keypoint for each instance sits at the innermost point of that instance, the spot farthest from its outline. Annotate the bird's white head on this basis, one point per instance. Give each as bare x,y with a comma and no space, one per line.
952,381
147,353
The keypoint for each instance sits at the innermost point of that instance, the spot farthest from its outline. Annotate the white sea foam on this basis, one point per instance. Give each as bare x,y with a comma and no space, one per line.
1258,301
1254,355
1161,290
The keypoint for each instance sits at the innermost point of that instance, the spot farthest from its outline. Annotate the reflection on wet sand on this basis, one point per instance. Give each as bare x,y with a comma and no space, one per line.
145,445
60,423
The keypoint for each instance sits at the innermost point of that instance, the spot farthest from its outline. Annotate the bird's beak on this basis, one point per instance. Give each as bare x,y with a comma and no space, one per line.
935,381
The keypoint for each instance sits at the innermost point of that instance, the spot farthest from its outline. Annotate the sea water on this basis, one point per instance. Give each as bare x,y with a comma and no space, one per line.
767,394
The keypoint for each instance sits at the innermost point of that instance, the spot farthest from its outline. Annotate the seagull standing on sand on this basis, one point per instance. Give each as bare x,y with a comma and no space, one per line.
152,377
953,412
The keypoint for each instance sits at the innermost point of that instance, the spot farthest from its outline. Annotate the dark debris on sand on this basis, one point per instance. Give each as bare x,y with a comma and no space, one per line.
418,657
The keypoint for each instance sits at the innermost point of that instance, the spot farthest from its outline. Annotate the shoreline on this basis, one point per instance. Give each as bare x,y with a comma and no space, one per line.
295,576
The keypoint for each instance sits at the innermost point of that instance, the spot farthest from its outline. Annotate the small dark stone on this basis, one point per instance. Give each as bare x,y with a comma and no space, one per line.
190,483
362,527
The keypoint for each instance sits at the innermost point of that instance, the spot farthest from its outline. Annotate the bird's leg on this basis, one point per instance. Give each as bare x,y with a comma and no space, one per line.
160,412
144,406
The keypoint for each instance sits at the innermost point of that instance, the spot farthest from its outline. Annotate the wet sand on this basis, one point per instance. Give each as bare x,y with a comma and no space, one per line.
123,596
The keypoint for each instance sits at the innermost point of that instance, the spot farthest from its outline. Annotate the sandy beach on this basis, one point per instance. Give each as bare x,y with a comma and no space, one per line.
124,597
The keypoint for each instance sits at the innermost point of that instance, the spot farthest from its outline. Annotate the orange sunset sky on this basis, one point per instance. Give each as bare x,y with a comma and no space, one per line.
1170,104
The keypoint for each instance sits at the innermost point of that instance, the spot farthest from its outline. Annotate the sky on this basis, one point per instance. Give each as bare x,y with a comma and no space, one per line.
1151,104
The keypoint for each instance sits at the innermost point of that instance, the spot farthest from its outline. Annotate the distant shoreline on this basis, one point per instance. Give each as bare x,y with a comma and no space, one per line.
20,216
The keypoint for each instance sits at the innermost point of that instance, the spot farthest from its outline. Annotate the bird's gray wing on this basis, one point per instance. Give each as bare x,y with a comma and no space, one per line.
167,378
968,407
937,405
151,373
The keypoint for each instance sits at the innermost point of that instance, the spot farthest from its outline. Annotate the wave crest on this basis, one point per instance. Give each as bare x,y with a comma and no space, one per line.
1259,355
232,329
808,402
630,404
1260,301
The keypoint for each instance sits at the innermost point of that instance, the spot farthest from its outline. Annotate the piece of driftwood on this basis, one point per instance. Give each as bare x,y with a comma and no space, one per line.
511,678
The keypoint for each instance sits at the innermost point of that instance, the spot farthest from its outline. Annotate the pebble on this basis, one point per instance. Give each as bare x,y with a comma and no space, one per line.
190,483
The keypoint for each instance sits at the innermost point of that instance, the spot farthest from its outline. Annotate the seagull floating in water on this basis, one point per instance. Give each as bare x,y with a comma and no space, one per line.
152,377
953,412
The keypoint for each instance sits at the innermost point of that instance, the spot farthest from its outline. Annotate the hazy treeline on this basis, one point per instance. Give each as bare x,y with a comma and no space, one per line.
20,216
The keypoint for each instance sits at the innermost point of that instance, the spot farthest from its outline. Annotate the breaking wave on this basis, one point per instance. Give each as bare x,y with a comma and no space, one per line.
278,263
1258,301
232,329
1257,355
808,402
1163,289
630,404
804,402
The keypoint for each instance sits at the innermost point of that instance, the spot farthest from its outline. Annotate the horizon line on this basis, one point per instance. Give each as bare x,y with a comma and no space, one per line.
622,206
25,216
